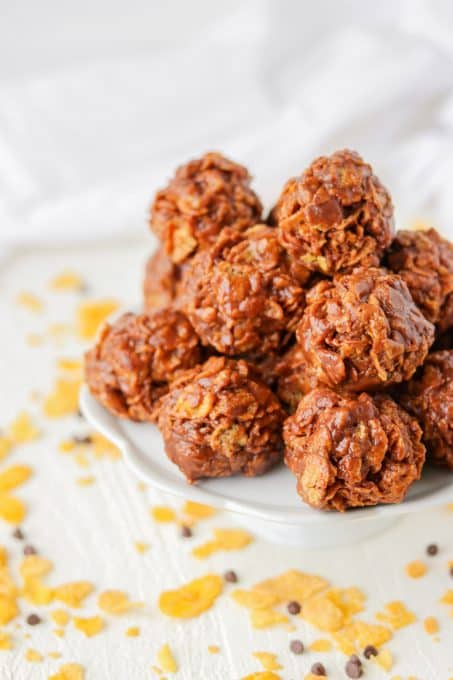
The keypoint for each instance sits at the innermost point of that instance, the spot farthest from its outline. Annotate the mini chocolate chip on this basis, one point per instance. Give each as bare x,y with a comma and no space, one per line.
230,576
33,619
432,549
30,550
82,439
353,667
370,651
296,646
18,533
293,607
186,532
318,669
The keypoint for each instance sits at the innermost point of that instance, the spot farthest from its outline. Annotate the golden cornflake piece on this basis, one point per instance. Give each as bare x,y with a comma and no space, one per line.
396,615
14,476
224,539
357,635
29,301
91,314
37,592
192,599
69,671
63,400
321,645
115,602
448,597
5,447
332,610
86,481
268,661
33,656
34,340
59,632
73,594
34,566
81,459
141,547
133,631
67,280
22,430
384,659
197,511
166,660
213,649
66,446
263,675
54,655
163,513
416,569
91,625
60,616
266,618
254,599
70,365
431,625
8,609
12,509
5,642
103,448
59,332
293,585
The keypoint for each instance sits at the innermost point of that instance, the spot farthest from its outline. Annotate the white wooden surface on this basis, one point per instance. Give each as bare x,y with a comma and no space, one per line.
89,533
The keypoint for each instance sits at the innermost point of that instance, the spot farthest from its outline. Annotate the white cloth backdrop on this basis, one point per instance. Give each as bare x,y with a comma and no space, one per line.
99,101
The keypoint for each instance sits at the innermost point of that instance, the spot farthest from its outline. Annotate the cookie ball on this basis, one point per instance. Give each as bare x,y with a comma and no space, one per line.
161,282
363,331
136,358
336,215
352,451
219,420
202,198
240,295
425,261
429,397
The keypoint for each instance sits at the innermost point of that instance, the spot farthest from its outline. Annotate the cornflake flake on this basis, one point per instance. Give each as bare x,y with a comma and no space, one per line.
268,660
73,594
416,569
115,602
166,660
193,598
90,626
14,476
69,671
63,400
91,314
33,656
163,514
22,430
396,615
224,539
67,280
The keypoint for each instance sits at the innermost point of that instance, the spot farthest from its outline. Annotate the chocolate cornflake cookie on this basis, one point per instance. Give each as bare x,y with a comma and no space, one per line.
219,419
425,261
136,358
161,282
429,397
336,215
241,295
202,198
363,331
352,451
295,377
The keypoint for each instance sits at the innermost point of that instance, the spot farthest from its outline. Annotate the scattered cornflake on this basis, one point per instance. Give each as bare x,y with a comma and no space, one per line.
66,446
14,476
263,675
86,481
193,598
54,655
63,399
67,280
69,365
332,610
34,566
22,430
91,314
12,509
166,660
59,632
383,659
69,671
321,645
8,591
293,585
81,459
5,447
72,594
431,625
266,618
396,615
58,332
91,625
60,616
133,631
268,660
357,635
447,598
254,599
33,656
103,448
224,539
416,569
141,547
396,677
5,641
34,340
116,602
163,513
197,511
213,649
29,301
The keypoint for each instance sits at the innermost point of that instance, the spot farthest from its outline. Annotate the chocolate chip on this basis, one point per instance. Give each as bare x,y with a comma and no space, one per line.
296,646
186,532
318,669
30,550
432,549
82,439
370,651
230,576
293,607
18,533
33,620
353,667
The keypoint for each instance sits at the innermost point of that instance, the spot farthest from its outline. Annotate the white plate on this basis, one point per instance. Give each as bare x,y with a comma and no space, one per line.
269,505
